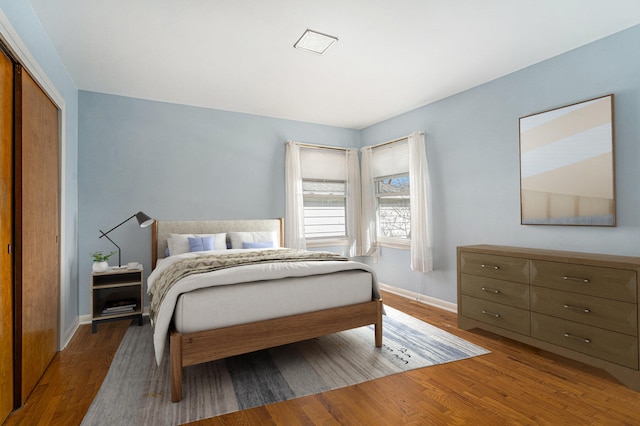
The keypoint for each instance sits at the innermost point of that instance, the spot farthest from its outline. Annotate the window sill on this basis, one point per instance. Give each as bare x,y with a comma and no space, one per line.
395,244
328,242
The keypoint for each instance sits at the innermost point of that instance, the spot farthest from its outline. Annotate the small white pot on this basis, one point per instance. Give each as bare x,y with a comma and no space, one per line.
100,266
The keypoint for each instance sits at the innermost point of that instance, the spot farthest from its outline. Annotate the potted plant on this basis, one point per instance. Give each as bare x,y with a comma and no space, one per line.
100,261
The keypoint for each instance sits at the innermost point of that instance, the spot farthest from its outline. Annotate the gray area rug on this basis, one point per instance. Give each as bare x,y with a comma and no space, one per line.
137,392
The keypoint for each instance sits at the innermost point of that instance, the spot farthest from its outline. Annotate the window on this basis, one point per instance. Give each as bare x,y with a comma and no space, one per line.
393,207
324,209
324,193
392,186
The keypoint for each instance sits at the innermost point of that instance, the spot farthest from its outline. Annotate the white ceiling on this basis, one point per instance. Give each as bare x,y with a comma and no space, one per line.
391,57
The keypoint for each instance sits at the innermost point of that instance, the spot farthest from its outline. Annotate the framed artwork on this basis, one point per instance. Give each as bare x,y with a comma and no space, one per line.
567,170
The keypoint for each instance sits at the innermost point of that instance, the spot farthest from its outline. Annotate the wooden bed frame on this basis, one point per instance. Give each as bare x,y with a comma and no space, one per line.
195,348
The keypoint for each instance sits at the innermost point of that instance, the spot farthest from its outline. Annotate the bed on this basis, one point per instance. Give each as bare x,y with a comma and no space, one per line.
230,309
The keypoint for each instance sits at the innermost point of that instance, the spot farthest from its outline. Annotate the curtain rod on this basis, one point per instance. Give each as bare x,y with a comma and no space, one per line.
392,141
311,145
337,148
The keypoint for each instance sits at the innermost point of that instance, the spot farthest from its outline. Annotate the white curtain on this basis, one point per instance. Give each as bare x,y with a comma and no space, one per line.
421,258
294,209
368,216
353,202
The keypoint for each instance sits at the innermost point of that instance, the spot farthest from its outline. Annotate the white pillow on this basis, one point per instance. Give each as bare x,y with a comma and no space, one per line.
237,238
179,243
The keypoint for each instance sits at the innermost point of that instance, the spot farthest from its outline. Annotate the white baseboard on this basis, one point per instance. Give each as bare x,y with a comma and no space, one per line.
70,332
427,300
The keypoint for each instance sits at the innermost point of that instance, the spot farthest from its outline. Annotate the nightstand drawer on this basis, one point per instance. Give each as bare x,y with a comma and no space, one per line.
505,292
618,284
502,316
604,344
603,313
498,267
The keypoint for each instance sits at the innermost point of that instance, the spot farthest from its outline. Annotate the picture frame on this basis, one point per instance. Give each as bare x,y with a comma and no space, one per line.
567,165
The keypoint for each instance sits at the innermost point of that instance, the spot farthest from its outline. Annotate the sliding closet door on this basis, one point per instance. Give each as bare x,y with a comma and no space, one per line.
37,269
6,236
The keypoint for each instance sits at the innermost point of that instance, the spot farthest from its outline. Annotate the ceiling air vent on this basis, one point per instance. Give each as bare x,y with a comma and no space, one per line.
315,42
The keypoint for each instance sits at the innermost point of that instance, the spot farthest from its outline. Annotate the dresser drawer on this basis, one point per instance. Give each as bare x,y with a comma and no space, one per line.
604,344
617,284
603,313
499,267
502,316
505,292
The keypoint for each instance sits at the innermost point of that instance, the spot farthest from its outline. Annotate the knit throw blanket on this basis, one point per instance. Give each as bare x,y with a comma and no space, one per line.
214,262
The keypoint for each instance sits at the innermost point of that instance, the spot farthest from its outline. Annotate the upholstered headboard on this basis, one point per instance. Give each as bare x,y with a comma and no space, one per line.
162,228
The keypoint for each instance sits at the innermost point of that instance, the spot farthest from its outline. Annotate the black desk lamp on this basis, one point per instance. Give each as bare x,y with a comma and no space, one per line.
143,221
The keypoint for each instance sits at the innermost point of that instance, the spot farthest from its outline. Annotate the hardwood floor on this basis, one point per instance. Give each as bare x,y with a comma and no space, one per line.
515,384
67,388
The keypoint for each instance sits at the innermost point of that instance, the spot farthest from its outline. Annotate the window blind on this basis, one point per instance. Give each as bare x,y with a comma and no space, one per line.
391,159
323,164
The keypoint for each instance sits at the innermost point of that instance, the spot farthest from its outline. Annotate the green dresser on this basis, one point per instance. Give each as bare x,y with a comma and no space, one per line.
579,305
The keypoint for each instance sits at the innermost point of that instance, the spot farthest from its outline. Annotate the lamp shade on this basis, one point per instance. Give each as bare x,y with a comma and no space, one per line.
144,220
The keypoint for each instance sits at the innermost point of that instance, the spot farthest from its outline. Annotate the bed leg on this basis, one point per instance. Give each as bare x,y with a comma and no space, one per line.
378,326
175,349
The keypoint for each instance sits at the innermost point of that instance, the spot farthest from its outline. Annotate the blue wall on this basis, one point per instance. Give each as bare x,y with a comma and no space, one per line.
179,162
176,162
472,149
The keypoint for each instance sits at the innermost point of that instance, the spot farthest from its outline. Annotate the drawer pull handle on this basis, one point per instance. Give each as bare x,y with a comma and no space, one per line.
568,278
582,339
493,314
490,266
577,308
490,290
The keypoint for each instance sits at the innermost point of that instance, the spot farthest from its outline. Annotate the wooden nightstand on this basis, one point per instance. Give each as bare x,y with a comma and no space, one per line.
116,294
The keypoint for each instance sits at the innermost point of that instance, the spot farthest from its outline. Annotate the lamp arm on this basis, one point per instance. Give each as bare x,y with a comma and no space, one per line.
104,234
112,242
143,221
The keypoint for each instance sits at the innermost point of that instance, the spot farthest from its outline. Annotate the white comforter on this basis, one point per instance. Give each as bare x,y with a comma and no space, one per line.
249,273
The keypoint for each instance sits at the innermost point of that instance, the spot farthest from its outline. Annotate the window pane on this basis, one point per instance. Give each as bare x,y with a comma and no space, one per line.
394,217
392,185
324,217
394,206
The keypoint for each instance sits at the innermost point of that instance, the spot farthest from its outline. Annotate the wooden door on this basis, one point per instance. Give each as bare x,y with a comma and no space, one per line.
6,236
38,255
